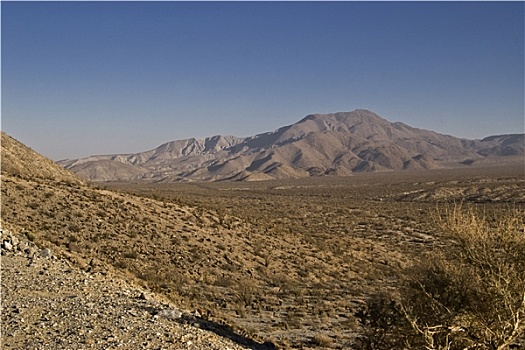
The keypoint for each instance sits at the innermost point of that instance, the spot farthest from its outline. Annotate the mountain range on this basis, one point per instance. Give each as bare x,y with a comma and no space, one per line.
320,144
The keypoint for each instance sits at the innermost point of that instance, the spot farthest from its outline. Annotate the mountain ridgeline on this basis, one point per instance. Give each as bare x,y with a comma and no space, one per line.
319,144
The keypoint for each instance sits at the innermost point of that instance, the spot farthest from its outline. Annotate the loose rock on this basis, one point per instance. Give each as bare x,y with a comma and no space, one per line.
7,245
45,253
170,314
68,308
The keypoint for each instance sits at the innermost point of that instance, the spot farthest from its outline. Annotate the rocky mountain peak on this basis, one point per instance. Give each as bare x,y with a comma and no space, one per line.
339,143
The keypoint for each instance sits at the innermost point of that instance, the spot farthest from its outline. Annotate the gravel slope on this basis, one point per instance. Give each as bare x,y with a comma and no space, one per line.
49,304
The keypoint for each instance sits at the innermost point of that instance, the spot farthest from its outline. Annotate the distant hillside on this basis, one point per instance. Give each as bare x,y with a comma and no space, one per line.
503,145
320,144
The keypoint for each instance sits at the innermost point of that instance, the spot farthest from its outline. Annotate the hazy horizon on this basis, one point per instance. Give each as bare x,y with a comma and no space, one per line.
85,78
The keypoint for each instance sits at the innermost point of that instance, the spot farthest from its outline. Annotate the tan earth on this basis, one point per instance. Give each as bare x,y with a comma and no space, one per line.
284,263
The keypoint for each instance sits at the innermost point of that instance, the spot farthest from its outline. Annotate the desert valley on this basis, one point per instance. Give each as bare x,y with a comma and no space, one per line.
342,231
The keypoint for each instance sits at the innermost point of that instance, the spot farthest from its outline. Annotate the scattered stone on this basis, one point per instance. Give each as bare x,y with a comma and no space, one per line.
7,245
15,241
145,296
45,253
73,309
72,247
30,251
93,263
170,314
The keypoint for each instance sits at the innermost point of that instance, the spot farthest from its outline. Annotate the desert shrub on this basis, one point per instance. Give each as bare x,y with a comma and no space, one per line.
470,295
383,323
294,320
30,236
33,205
131,255
224,281
246,291
322,340
120,264
74,228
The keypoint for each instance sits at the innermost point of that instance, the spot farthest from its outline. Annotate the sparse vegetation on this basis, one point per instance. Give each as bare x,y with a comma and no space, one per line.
470,295
30,236
289,261
323,341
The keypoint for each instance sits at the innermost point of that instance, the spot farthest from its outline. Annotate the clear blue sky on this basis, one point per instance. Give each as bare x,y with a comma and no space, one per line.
83,78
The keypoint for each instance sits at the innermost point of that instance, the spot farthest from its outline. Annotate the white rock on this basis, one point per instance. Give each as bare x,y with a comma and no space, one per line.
45,253
8,245
15,241
170,314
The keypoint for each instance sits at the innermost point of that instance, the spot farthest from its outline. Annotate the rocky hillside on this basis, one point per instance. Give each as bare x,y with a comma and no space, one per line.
81,265
48,303
20,161
321,144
